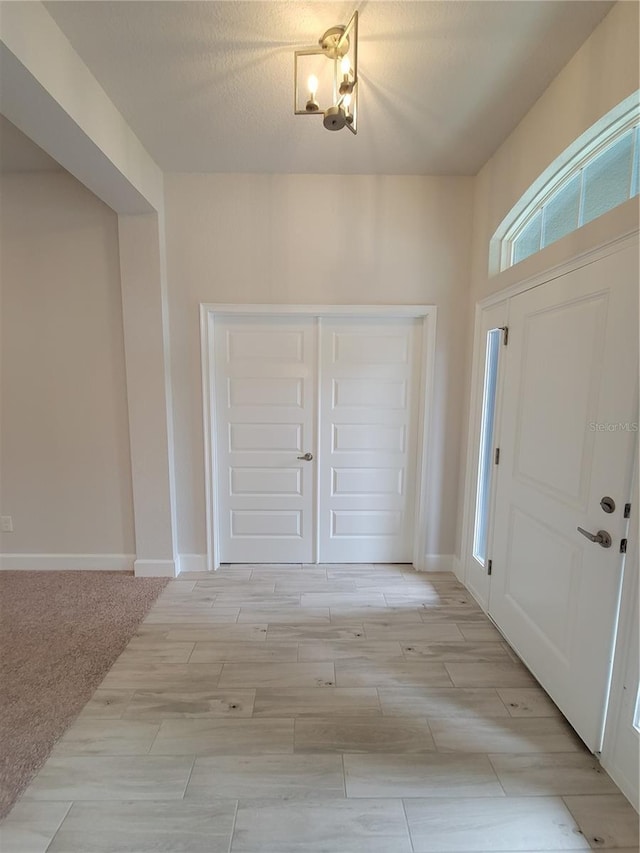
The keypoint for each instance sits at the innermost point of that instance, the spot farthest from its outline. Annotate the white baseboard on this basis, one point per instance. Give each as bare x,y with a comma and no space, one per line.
456,567
155,569
192,563
67,562
436,563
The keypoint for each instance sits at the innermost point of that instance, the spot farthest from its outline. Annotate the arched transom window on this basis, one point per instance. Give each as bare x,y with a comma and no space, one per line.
601,175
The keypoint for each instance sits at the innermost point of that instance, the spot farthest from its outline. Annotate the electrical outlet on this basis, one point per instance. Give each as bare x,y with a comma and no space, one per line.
6,524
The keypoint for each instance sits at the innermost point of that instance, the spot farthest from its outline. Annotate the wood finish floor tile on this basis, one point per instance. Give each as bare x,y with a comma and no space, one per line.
224,737
107,737
274,776
162,676
294,630
495,674
428,775
244,652
208,616
480,632
344,600
139,777
374,613
456,652
31,825
302,584
449,702
558,773
408,632
106,704
606,821
314,702
162,705
248,633
360,673
146,827
181,588
313,615
258,599
334,826
385,734
332,650
453,613
492,825
141,651
277,675
528,702
504,734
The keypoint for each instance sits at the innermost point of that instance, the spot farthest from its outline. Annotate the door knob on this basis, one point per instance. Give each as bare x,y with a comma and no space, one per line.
600,538
307,457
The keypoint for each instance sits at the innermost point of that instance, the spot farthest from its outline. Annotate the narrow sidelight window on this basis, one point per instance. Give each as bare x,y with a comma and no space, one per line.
485,462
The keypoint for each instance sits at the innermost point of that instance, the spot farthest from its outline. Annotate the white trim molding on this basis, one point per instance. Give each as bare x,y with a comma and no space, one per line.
426,313
155,569
192,563
456,567
67,562
436,563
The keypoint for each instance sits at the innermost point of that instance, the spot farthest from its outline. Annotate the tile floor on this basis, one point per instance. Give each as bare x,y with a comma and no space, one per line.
337,709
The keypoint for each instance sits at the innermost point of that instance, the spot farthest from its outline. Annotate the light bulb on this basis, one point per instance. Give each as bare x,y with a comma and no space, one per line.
345,65
312,83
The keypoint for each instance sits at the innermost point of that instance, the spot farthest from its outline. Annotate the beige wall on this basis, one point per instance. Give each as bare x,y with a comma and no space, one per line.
323,240
600,75
65,467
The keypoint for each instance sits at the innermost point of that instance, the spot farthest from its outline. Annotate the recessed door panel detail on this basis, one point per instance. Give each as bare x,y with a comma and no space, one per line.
554,374
539,559
260,437
364,393
266,524
367,481
265,391
360,438
265,481
350,348
265,345
365,523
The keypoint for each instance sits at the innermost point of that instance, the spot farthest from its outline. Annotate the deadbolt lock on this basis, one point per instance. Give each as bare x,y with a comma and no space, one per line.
608,504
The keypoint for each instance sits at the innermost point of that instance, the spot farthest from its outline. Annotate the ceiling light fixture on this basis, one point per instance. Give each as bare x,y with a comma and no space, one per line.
331,86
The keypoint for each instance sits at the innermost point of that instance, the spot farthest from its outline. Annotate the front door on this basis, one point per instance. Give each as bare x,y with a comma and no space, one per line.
567,438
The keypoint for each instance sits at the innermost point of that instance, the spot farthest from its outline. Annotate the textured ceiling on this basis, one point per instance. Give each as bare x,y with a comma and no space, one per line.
207,86
19,154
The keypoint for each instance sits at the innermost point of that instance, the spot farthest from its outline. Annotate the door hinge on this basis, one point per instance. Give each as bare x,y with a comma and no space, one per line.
623,546
497,456
505,339
489,566
627,511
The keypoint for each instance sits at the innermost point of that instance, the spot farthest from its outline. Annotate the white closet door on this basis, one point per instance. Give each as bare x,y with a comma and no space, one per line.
567,439
368,404
265,380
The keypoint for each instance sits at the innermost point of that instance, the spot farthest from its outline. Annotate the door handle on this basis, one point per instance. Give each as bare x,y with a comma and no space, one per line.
307,457
600,538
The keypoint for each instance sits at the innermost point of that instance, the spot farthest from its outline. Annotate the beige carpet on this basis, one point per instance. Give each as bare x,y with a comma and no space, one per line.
60,632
